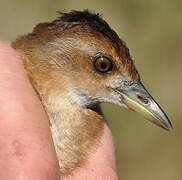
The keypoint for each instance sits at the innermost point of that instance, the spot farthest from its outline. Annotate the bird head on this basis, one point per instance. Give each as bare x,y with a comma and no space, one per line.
87,60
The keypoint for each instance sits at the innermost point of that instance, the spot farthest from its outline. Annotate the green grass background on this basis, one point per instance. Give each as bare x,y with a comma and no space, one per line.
153,31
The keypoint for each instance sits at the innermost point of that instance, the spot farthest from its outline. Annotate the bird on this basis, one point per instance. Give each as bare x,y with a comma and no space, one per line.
75,63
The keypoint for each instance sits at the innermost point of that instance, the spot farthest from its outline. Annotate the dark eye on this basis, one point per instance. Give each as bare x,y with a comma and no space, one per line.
103,64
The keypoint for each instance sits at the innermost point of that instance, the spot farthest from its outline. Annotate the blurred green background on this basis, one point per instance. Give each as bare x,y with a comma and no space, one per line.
153,31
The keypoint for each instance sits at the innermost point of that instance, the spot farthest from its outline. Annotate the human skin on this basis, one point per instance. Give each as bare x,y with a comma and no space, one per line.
26,146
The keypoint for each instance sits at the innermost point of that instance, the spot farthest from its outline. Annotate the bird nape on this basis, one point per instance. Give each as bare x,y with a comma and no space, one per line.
75,63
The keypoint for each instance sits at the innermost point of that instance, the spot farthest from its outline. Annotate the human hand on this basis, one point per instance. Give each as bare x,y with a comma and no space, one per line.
26,146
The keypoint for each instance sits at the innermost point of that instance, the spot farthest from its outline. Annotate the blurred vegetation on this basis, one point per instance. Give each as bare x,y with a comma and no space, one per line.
152,30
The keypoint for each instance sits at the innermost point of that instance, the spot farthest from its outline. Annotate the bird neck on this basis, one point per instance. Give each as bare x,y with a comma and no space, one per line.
76,133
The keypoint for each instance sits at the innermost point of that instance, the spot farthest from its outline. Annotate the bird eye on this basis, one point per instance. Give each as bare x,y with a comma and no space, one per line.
103,64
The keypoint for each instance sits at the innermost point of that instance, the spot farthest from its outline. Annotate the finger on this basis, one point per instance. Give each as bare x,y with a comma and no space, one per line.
26,147
101,163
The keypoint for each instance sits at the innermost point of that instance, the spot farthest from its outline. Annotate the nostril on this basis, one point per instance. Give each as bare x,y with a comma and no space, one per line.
144,100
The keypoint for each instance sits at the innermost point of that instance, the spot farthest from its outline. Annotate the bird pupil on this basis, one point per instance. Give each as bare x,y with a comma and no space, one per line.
103,65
